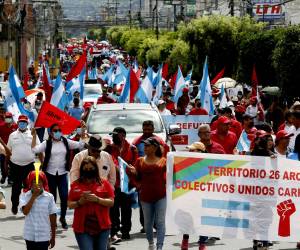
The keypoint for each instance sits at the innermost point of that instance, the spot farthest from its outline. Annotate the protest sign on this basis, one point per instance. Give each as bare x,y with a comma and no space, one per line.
50,114
189,125
233,196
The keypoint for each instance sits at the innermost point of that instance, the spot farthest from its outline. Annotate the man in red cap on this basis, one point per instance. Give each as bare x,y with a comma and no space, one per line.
6,129
183,102
21,159
282,142
223,136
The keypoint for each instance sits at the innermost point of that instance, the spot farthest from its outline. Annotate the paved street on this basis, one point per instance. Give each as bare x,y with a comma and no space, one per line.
11,238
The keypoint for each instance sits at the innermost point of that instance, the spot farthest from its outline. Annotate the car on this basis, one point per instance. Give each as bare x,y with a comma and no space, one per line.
103,118
92,92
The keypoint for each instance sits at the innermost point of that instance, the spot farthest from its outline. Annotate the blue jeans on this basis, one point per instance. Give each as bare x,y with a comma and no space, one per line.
89,242
155,211
59,182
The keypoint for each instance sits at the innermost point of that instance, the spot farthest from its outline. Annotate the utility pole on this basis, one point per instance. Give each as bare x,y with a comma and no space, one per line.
231,5
156,12
130,18
116,12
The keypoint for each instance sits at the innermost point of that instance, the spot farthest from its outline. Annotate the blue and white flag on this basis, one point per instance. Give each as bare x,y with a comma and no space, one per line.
93,74
59,97
108,74
205,92
223,99
76,84
179,85
188,78
159,86
144,94
124,180
14,95
124,97
243,143
135,66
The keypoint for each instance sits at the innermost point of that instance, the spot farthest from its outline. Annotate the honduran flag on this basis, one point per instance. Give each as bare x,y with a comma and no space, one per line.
223,98
59,97
144,93
124,180
158,89
76,84
205,92
93,73
13,97
179,85
244,143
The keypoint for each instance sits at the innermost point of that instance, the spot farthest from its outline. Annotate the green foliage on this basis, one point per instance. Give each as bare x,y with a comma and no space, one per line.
286,60
234,43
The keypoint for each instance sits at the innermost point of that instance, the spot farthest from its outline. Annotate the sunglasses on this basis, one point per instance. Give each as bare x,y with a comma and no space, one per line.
56,130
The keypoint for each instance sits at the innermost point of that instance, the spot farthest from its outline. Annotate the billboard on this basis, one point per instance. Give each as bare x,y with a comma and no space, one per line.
267,10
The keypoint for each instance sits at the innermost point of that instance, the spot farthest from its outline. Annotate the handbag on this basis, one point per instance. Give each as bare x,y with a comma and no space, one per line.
91,225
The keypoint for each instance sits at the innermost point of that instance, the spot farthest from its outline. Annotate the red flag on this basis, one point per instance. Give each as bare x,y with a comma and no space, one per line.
77,68
50,114
218,76
134,85
46,86
172,80
25,83
254,82
165,71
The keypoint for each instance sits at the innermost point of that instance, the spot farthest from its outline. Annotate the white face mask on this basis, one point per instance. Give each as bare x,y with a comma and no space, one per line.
8,120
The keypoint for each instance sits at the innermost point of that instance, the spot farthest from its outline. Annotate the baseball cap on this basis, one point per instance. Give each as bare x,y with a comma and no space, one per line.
199,146
118,130
282,134
151,141
223,120
23,118
184,90
8,114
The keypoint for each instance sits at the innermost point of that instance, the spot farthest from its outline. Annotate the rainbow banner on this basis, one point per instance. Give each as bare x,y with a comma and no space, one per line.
233,196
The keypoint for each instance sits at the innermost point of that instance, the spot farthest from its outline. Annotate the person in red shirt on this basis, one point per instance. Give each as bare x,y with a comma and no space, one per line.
128,152
150,172
6,128
223,136
170,105
105,98
212,147
91,198
183,102
197,110
235,126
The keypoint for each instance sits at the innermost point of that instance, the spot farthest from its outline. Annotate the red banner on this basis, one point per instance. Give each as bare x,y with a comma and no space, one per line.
50,114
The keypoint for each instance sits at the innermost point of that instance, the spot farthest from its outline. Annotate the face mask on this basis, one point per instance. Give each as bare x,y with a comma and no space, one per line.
22,125
79,131
89,174
8,120
57,135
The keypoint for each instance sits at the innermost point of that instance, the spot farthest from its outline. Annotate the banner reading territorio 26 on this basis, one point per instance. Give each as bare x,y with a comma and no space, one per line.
230,196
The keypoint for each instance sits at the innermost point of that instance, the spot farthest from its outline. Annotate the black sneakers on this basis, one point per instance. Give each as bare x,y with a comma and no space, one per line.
63,222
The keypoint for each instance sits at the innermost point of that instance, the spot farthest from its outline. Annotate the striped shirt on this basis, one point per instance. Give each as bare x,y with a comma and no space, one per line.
37,222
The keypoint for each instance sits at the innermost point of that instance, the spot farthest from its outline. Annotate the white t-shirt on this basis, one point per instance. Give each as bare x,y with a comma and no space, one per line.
37,223
20,145
165,112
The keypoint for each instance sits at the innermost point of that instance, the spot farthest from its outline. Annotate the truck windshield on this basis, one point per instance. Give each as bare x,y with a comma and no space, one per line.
104,121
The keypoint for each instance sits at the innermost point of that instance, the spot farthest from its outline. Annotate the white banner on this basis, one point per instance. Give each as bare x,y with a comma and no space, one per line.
189,125
232,196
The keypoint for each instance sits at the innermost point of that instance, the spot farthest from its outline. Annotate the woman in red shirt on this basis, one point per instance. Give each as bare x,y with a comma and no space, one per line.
91,197
149,174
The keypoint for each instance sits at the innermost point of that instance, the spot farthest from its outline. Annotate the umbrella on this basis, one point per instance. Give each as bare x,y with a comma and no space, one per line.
271,90
227,82
31,94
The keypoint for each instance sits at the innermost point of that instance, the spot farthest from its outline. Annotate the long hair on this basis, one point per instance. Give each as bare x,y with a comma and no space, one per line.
51,128
158,152
91,160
